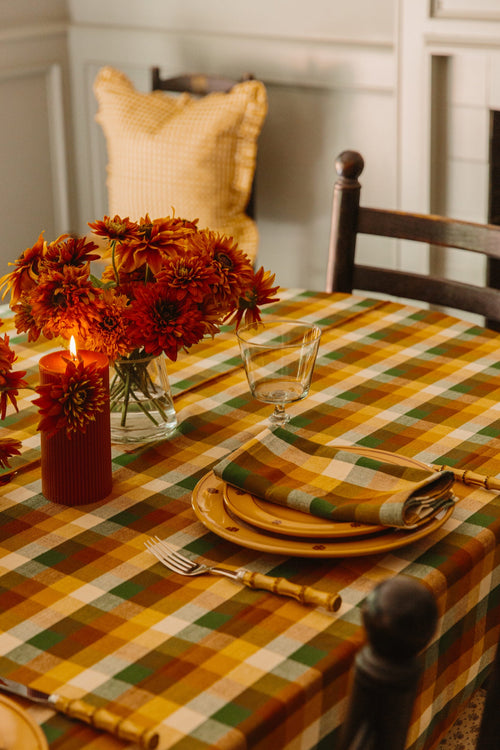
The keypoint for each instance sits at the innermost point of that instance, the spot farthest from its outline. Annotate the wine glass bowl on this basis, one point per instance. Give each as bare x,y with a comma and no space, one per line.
279,358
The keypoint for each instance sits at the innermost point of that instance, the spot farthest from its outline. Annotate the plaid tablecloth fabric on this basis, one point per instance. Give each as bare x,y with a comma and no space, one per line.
85,609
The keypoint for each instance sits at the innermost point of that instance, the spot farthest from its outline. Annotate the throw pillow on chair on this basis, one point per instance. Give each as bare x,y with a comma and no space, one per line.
180,154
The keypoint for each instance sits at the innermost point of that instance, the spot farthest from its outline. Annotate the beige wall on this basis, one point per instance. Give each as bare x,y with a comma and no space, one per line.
330,72
35,127
363,74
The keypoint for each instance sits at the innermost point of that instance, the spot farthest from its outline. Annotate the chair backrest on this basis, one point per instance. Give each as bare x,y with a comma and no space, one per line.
349,219
200,84
400,616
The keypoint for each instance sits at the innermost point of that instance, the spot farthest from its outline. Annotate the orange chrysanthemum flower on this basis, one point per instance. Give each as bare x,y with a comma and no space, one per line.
25,276
63,303
69,251
71,402
8,448
24,320
260,292
160,322
188,275
110,333
10,381
117,229
232,267
157,240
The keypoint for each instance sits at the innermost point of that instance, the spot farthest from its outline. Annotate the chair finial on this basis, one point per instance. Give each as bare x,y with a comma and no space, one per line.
400,617
349,164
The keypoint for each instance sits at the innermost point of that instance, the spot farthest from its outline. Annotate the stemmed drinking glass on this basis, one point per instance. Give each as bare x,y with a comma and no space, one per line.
279,357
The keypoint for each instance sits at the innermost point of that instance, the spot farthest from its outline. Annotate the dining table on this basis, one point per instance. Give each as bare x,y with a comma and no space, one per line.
87,612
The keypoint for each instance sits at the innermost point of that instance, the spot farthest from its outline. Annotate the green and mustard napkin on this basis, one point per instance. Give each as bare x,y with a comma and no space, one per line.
335,483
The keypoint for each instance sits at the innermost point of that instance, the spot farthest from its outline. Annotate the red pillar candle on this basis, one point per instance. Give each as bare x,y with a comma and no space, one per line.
77,469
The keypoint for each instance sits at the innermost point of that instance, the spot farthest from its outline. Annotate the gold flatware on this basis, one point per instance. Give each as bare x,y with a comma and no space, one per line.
182,565
100,718
9,475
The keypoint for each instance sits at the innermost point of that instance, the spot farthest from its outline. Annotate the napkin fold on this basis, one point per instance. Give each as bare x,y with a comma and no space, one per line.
339,484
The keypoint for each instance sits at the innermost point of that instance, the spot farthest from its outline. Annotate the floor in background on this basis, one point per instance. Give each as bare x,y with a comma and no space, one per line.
463,734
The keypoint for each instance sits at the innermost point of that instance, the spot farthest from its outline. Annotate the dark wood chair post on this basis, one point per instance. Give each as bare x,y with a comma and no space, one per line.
346,191
489,731
400,617
493,280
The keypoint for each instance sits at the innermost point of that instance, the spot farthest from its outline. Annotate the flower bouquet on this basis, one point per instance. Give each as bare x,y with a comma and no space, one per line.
167,285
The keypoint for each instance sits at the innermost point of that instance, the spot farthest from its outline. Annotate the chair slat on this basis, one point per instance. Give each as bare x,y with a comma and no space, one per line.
480,300
432,229
349,219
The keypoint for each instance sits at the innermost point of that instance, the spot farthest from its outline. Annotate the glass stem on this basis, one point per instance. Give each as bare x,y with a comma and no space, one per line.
279,416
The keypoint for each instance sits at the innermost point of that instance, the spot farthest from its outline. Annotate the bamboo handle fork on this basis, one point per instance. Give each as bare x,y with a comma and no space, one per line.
176,562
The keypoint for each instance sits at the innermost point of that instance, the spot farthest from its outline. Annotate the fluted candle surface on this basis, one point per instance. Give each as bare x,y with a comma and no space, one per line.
77,469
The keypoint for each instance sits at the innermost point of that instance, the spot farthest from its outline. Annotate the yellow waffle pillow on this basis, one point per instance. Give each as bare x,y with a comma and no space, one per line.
194,157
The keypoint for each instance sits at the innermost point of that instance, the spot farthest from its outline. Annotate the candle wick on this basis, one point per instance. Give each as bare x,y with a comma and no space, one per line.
73,358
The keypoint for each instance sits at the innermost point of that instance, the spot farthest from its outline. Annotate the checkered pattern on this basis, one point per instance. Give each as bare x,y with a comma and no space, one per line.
194,156
86,611
334,483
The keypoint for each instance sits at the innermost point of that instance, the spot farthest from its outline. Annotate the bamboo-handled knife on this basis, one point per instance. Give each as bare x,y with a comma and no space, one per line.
100,718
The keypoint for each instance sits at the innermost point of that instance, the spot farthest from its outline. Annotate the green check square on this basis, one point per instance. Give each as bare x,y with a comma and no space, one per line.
308,655
232,714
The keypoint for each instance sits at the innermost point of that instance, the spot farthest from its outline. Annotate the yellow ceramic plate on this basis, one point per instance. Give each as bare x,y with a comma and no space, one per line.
18,731
208,505
279,519
282,520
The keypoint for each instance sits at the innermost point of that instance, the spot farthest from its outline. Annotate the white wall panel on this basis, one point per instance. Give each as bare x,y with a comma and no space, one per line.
30,198
461,40
35,192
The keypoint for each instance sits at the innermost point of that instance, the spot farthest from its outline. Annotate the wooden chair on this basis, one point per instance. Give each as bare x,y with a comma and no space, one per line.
400,617
350,219
199,84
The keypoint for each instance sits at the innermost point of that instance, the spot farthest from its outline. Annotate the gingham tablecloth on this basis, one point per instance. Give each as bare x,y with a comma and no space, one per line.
86,611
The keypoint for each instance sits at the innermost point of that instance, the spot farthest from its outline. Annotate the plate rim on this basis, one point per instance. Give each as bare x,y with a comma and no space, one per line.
328,548
21,715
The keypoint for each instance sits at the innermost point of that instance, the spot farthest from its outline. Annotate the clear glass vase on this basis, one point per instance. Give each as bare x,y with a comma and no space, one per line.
142,409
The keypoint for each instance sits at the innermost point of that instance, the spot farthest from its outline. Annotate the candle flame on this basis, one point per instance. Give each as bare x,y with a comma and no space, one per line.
72,347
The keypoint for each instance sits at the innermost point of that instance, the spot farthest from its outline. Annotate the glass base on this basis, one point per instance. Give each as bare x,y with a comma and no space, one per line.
140,428
142,409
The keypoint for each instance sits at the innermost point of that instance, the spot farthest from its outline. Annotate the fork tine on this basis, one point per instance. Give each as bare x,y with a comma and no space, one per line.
172,554
169,556
172,564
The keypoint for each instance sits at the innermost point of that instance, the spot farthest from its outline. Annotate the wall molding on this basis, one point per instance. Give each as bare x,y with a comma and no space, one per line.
279,61
356,21
480,10
52,74
15,34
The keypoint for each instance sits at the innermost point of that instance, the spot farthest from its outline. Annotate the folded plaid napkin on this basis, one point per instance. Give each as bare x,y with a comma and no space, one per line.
335,483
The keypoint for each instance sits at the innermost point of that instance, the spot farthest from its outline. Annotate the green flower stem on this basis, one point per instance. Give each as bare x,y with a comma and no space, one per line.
113,261
130,378
125,400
